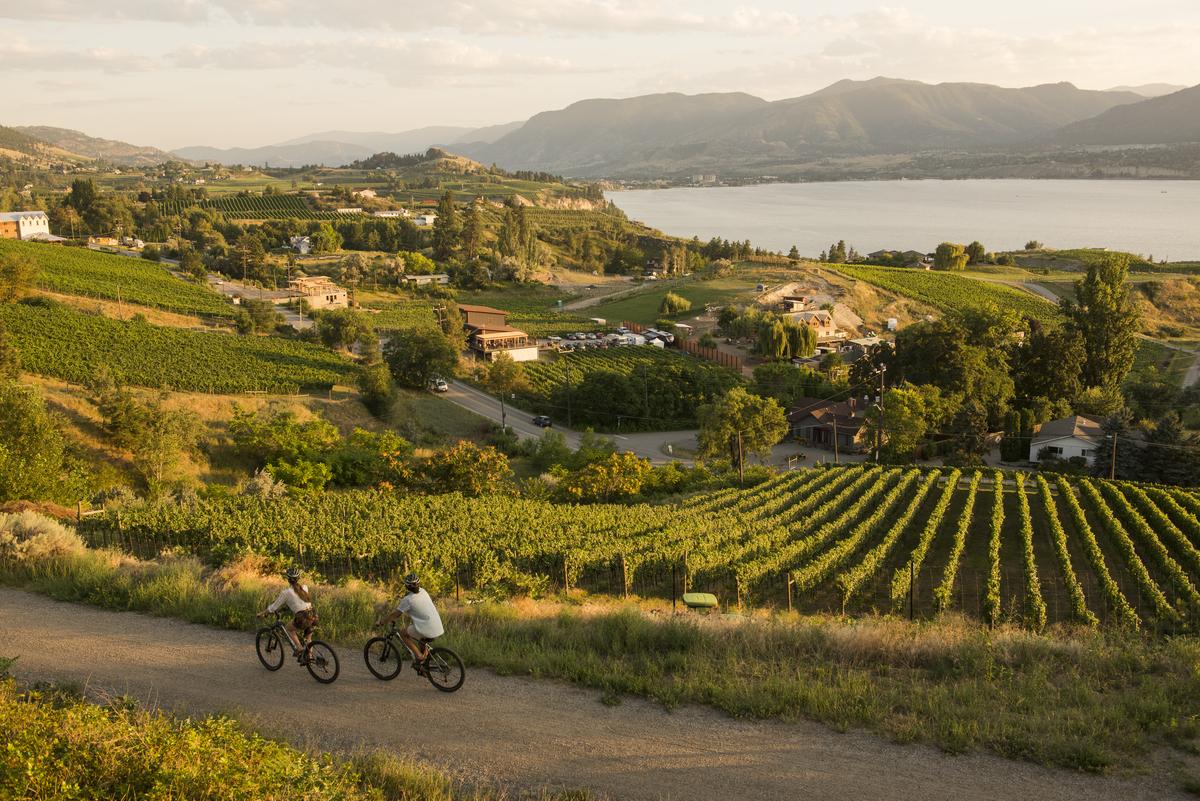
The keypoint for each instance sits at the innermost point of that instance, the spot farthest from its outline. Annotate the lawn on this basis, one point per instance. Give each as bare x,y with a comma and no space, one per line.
643,306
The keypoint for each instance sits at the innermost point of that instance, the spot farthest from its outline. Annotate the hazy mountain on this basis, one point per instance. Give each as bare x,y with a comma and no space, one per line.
1150,89
95,148
717,133
1170,119
333,154
414,141
487,134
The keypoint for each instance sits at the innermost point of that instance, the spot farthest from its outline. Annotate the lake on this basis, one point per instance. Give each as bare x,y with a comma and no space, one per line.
1151,218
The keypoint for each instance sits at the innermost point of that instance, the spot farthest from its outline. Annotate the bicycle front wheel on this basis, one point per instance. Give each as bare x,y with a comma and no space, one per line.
322,662
445,670
270,649
383,659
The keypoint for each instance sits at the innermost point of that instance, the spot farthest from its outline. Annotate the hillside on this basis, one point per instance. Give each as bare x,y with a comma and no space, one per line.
295,155
1149,89
17,143
96,148
680,134
1171,119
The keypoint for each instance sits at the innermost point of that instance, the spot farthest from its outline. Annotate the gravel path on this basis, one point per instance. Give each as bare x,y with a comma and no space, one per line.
516,731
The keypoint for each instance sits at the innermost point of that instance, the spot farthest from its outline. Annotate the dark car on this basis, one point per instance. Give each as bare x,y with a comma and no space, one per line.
542,421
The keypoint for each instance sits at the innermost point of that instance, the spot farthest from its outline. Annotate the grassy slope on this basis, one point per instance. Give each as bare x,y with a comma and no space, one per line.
1084,700
643,306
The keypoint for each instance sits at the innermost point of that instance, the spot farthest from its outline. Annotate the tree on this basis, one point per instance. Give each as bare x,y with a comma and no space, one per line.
837,253
17,271
1106,318
949,256
471,238
467,468
257,316
250,255
794,254
445,228
342,329
416,263
976,252
740,423
619,476
673,304
191,264
1048,364
802,340
375,385
909,413
325,239
416,355
35,463
772,341
1033,244
504,377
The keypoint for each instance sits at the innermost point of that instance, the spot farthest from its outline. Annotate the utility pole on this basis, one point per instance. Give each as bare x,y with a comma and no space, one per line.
837,459
879,433
1112,467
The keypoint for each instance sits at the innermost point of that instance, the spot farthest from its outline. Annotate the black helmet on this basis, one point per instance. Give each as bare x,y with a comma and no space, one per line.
412,582
293,573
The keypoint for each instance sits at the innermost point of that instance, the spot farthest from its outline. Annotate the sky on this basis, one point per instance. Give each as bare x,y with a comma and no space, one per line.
171,73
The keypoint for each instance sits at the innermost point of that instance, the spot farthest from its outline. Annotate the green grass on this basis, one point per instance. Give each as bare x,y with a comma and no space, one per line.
78,271
426,417
1086,700
643,306
59,745
1152,353
57,341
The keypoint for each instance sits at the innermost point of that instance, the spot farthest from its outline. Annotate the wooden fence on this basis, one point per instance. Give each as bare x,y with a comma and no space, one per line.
695,349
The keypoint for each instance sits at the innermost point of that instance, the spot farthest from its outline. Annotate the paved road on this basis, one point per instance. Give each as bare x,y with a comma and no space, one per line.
516,731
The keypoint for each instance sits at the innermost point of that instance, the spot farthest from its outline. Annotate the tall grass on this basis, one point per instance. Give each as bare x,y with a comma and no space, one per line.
1077,697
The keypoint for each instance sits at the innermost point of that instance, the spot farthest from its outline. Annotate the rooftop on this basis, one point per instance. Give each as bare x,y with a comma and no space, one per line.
468,307
13,216
1074,426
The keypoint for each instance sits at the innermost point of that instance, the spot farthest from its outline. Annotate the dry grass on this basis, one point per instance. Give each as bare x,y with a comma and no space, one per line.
125,311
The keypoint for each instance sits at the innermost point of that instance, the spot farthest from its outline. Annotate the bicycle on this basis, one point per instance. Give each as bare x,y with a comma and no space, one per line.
385,657
319,657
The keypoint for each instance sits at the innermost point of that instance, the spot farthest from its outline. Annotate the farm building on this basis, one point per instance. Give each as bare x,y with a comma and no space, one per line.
1066,438
488,334
350,210
301,244
319,292
390,213
818,422
439,279
424,220
24,225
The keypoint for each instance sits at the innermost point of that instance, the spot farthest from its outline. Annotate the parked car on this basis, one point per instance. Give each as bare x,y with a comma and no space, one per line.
438,385
542,421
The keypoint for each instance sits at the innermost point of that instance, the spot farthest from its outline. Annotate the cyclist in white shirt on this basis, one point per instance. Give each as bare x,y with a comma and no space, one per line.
298,601
426,623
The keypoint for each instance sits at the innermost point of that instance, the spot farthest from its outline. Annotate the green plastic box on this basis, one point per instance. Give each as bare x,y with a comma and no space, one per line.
699,600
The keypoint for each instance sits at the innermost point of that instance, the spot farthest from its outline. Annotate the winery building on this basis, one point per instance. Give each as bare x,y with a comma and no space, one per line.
488,333
24,225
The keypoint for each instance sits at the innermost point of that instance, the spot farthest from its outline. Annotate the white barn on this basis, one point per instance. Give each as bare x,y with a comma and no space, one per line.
1068,437
24,225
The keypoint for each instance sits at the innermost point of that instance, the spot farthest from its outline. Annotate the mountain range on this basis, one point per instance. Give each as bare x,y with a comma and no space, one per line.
873,124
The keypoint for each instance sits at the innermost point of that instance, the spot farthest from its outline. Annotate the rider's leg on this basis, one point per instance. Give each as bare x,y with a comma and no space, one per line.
418,649
290,628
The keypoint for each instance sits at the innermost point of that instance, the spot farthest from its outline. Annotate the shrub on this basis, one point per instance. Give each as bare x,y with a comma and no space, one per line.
29,536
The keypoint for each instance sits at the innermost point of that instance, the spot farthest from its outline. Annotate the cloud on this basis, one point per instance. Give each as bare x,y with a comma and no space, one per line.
473,17
18,55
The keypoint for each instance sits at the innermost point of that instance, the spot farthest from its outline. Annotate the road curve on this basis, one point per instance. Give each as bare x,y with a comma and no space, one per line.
519,732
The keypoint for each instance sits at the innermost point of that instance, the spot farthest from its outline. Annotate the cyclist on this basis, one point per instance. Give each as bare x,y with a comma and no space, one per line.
426,622
299,602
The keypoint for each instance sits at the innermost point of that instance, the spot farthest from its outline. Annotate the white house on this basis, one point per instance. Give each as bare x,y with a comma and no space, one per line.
441,279
424,219
1066,438
24,225
388,213
301,244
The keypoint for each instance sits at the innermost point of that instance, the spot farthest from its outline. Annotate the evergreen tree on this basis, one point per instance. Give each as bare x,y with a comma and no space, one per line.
1107,321
446,228
471,238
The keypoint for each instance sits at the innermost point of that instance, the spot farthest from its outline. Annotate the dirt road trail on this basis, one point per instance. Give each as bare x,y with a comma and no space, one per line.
517,731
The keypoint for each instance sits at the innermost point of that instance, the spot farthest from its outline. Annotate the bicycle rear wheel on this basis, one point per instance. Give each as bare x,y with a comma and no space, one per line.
269,647
383,658
445,670
322,662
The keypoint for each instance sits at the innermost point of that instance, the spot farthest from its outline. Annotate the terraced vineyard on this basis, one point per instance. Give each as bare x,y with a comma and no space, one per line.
78,271
853,539
948,291
59,342
259,207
